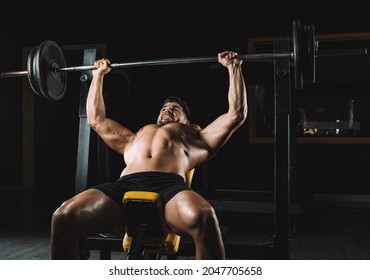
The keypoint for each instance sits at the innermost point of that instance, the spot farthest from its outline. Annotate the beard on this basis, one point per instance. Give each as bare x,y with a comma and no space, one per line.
163,122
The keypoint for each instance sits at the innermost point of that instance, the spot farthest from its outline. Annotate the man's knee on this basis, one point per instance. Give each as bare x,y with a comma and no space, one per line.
64,219
204,218
210,217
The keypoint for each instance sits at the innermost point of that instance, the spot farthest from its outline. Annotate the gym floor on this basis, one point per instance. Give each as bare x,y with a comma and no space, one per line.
326,231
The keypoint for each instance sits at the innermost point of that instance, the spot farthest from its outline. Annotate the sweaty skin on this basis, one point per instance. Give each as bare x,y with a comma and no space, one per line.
170,145
154,147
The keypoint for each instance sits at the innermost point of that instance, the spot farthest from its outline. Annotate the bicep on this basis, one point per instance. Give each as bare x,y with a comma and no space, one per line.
217,133
115,135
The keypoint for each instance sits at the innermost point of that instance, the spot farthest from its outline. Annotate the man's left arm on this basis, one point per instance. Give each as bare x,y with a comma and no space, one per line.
217,133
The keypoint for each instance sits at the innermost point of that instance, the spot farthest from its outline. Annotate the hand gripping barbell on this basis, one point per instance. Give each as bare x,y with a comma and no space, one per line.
47,70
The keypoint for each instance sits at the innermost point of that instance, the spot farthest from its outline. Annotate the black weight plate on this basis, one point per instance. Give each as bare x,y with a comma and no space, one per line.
31,72
49,57
304,52
309,74
297,55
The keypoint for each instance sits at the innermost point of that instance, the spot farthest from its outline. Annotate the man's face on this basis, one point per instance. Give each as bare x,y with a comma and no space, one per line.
172,112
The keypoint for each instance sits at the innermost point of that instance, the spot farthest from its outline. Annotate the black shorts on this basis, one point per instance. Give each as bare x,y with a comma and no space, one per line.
164,183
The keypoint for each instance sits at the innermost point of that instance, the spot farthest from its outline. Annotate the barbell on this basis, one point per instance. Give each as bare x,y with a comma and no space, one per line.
47,70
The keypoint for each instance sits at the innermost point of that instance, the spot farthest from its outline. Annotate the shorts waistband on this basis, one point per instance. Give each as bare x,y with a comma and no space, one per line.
152,174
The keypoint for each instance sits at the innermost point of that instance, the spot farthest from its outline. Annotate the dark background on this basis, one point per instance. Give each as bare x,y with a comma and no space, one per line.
140,30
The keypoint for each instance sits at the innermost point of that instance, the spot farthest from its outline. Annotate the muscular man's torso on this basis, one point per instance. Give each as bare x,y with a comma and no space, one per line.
174,147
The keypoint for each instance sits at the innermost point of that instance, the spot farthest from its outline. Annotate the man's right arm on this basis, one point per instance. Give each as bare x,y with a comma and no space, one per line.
114,134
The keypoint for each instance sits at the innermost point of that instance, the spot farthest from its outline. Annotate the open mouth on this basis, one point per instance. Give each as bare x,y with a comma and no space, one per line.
167,118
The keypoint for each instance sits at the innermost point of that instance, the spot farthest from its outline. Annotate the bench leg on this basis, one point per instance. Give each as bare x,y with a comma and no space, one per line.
136,249
105,254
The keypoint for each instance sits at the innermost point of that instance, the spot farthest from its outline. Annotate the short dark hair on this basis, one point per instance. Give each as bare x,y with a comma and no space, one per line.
179,101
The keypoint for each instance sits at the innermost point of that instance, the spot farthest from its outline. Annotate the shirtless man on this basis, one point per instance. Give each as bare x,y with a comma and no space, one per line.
157,157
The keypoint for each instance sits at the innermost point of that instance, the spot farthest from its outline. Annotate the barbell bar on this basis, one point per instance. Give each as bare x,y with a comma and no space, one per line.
47,70
154,62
